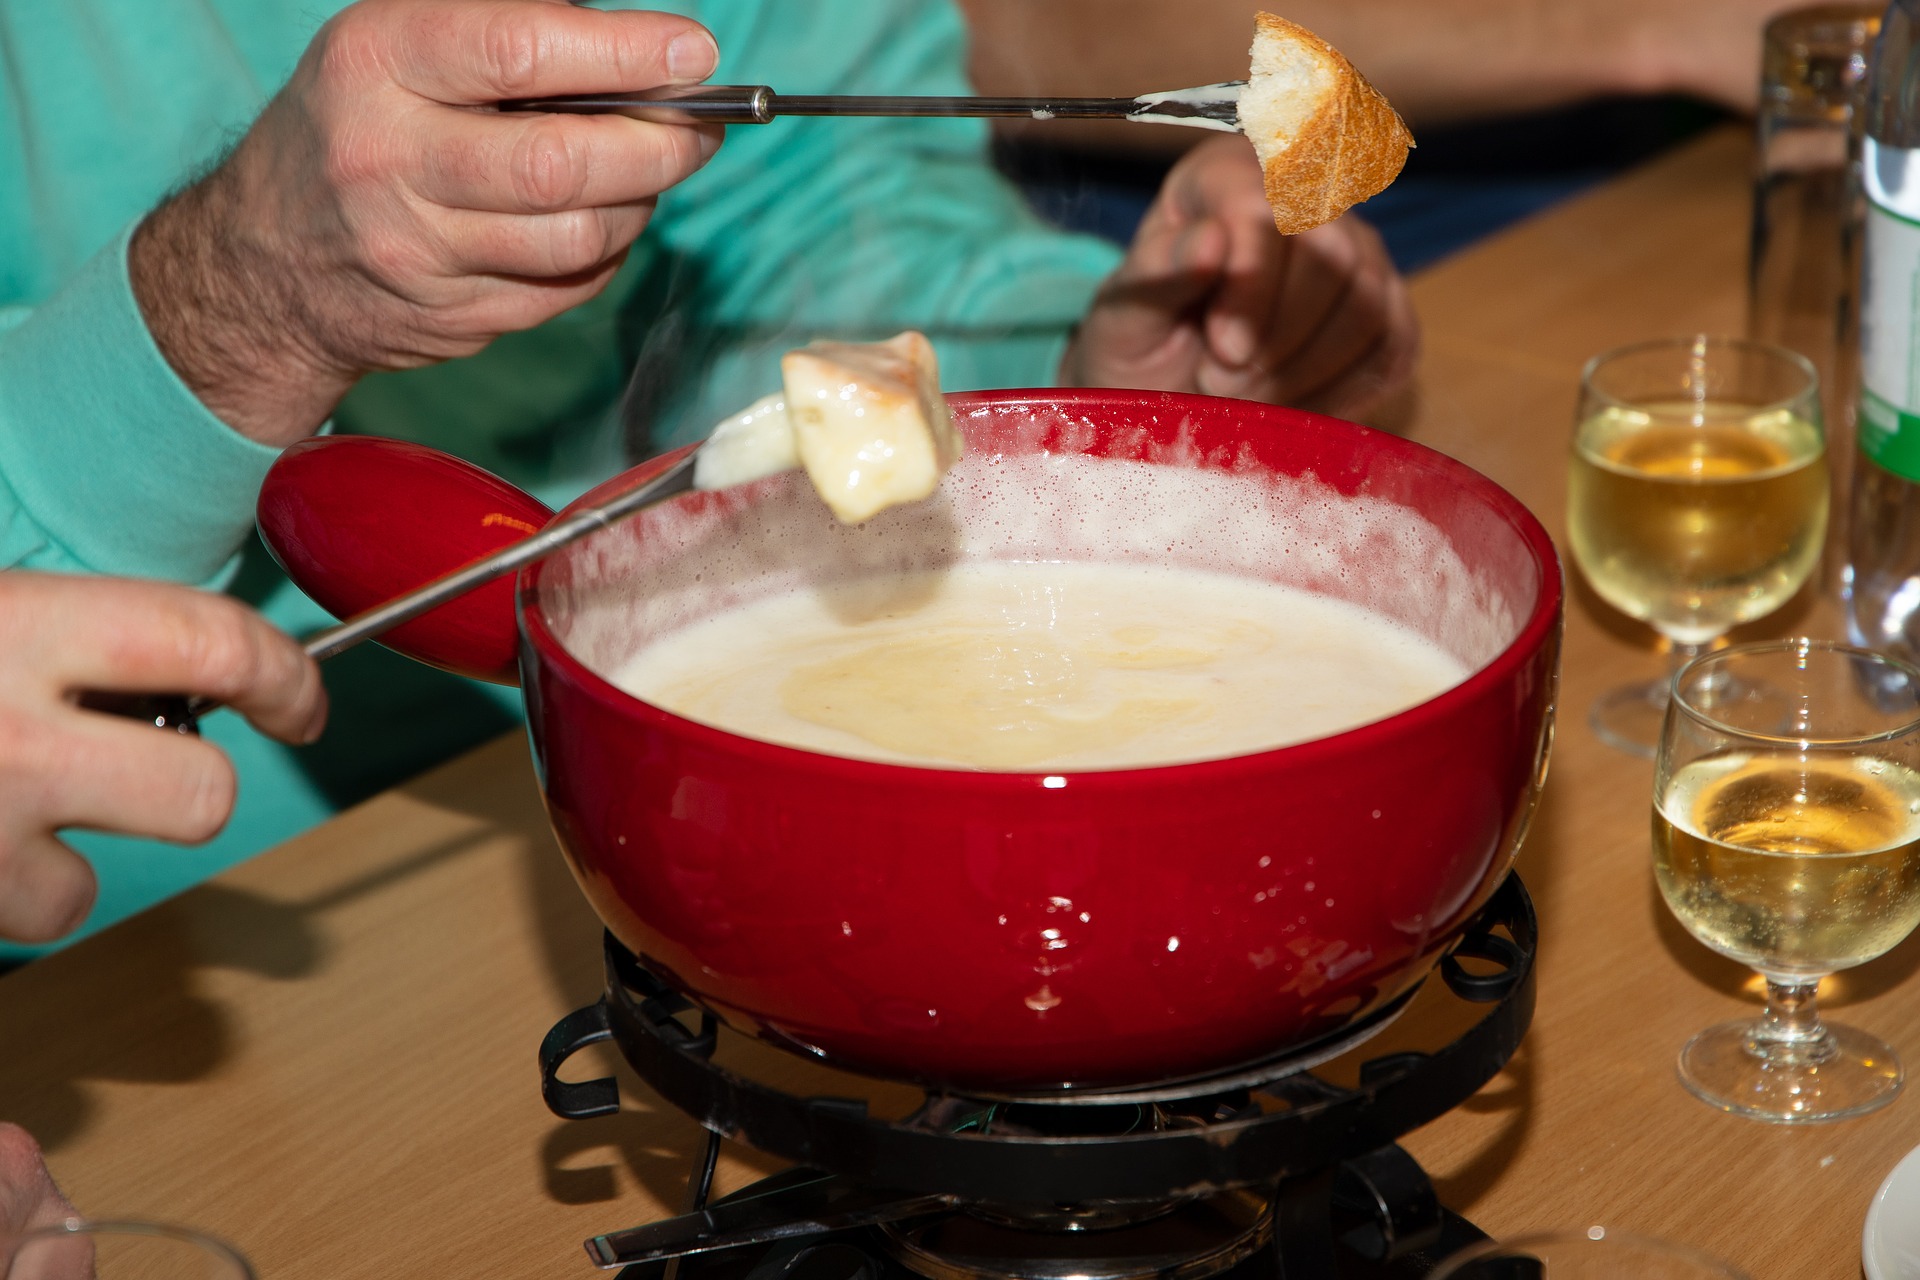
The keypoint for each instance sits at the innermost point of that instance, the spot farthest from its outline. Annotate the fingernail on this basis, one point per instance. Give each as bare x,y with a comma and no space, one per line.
692,56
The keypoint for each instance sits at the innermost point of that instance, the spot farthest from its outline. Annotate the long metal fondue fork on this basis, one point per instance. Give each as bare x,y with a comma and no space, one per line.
182,714
1214,106
325,643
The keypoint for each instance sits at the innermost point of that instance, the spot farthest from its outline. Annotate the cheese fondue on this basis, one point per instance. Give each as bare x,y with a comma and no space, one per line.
1017,666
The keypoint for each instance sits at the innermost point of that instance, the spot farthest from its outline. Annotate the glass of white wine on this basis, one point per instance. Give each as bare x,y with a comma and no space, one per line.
1696,498
1786,835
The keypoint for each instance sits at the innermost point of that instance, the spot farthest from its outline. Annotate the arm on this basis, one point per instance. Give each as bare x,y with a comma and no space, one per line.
370,218
1436,60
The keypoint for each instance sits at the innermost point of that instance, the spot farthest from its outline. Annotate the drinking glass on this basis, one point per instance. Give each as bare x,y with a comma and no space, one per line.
79,1249
1786,835
1696,499
1594,1253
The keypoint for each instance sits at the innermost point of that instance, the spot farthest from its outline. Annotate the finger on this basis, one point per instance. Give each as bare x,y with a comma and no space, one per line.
575,244
546,163
1379,374
127,636
110,774
46,889
473,52
1242,309
28,1196
1321,267
1148,304
526,301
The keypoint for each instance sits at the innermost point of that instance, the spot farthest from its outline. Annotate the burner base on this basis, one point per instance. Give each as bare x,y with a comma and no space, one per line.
873,1252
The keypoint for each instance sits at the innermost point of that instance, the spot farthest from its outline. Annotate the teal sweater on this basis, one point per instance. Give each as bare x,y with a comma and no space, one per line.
796,229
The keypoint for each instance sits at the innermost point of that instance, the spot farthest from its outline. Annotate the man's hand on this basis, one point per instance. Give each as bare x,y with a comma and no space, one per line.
63,766
1212,299
29,1199
381,214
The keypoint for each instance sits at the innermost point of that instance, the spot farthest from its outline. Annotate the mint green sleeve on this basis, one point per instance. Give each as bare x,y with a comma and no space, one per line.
108,463
852,228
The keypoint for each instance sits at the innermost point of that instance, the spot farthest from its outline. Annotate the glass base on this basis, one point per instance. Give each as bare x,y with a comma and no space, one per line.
1630,718
1843,1073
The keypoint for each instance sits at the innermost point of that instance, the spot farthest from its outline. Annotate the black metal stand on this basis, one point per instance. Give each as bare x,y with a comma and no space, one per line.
1345,1200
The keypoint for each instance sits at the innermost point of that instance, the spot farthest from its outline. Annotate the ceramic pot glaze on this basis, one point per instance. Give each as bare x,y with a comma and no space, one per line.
1011,931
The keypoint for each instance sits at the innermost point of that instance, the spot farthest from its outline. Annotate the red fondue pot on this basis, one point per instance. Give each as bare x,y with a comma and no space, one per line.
1007,931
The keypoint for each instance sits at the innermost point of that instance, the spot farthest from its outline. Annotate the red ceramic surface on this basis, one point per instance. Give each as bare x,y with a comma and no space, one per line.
358,520
1014,930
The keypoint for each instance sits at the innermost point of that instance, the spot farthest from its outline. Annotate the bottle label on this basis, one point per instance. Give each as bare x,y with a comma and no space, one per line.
1890,310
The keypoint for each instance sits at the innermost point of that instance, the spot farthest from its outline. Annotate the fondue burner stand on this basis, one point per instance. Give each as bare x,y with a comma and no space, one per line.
1264,1172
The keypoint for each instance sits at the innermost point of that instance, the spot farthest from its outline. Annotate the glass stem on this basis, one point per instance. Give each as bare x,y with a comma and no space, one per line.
1680,653
1790,1030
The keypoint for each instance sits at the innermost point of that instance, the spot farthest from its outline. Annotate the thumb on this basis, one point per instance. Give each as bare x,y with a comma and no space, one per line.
1151,304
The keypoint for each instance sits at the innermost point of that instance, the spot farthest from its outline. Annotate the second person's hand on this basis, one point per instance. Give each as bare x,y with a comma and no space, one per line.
1212,299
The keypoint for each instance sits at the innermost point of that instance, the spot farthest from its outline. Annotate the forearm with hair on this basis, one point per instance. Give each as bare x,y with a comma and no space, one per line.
226,320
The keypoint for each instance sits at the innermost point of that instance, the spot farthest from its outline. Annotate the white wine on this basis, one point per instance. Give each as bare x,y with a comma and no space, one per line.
1697,517
1795,866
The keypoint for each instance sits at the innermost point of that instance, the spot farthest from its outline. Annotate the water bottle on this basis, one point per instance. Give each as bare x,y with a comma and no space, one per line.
1883,578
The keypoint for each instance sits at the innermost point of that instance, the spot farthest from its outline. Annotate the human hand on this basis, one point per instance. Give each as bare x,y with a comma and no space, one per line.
381,215
29,1199
64,766
1212,299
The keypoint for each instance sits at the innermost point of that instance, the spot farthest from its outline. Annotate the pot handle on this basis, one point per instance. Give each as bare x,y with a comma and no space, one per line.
358,520
584,1099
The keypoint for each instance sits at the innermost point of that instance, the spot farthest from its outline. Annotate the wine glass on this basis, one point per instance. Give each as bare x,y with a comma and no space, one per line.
80,1249
1696,498
1594,1253
1786,835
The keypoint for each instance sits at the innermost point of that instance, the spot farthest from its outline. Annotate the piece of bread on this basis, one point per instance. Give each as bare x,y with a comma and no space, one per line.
869,421
1325,137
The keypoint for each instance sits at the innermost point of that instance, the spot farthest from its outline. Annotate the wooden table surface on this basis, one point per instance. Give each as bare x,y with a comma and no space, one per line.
328,1055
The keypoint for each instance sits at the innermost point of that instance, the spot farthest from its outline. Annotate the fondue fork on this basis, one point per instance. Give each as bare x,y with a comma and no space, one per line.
181,714
1213,106
672,482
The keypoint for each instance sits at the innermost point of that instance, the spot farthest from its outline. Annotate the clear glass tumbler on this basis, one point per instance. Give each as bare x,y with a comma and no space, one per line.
1591,1253
80,1249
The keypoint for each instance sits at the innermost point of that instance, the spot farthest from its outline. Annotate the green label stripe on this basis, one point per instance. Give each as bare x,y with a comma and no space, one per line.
1890,435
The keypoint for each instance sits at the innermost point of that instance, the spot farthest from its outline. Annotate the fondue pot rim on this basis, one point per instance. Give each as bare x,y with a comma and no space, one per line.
537,636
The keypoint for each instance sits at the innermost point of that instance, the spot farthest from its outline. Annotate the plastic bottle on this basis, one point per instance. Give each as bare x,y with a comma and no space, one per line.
1883,577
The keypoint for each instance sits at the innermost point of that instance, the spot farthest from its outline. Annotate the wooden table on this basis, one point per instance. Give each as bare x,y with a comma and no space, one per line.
327,1055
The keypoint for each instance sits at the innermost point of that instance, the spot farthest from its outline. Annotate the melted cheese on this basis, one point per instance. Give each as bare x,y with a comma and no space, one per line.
1036,666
